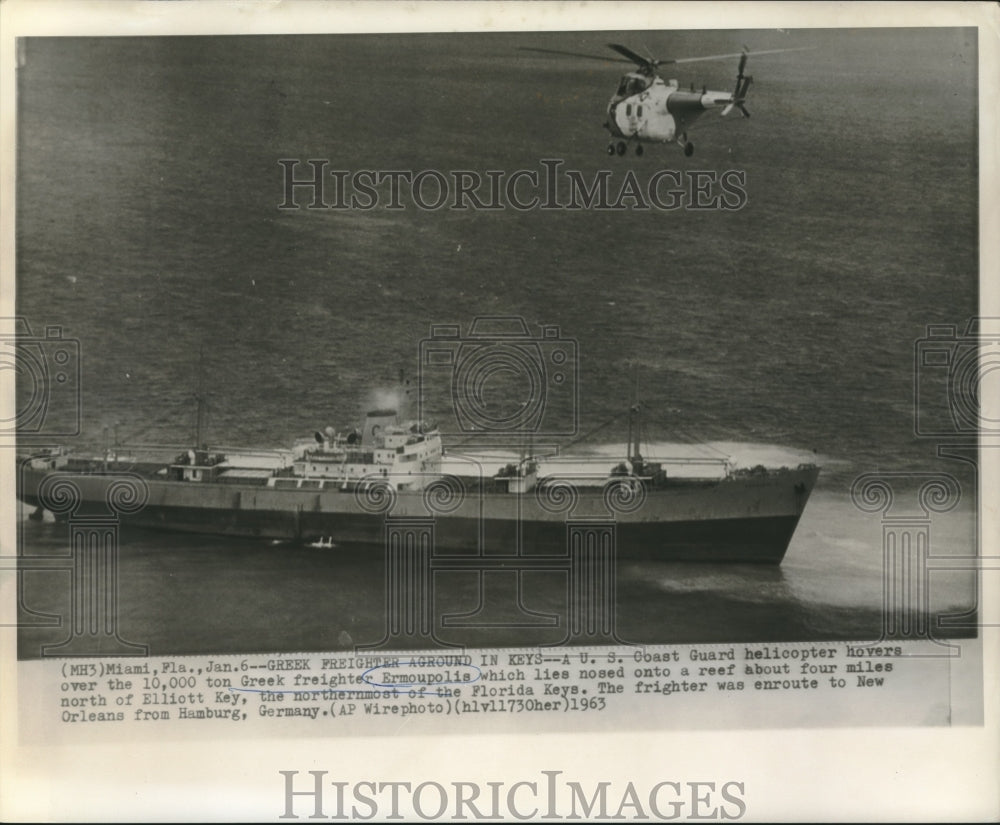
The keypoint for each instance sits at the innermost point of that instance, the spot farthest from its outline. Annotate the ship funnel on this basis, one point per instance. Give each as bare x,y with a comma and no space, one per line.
375,423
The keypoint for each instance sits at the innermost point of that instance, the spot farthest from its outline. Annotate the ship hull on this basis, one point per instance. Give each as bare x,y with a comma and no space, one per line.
733,520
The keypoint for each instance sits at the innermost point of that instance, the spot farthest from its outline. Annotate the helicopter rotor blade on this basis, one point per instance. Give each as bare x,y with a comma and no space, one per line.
737,104
737,54
650,65
574,54
742,95
639,60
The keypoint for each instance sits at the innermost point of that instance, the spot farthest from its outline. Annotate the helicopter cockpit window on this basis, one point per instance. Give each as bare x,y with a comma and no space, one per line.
632,85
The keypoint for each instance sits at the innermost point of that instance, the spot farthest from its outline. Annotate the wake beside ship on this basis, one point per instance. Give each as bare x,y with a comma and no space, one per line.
342,487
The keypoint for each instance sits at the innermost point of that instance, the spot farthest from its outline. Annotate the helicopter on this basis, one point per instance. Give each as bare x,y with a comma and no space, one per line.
648,109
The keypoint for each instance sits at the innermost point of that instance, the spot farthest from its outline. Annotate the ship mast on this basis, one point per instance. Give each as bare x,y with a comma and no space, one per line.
199,421
634,410
403,406
199,418
527,449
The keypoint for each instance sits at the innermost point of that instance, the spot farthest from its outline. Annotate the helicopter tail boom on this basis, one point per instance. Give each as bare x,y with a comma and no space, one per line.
681,104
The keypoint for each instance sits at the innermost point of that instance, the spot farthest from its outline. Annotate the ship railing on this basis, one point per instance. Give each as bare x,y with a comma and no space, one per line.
298,483
122,454
171,451
264,452
763,471
178,448
103,458
673,465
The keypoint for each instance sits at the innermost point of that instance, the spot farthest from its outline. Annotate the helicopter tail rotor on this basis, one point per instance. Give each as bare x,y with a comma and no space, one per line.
743,82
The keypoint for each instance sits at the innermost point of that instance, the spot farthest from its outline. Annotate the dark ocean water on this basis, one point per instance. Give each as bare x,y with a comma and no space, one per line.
148,228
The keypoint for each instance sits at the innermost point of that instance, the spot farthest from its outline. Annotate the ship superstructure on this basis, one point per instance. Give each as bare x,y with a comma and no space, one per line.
402,454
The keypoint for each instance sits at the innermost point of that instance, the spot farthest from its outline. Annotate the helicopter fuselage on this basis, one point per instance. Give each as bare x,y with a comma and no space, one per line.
650,109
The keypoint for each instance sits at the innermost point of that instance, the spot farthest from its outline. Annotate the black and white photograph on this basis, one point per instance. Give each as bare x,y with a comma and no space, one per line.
370,375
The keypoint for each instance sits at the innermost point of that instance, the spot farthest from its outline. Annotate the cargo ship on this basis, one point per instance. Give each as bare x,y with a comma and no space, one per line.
339,488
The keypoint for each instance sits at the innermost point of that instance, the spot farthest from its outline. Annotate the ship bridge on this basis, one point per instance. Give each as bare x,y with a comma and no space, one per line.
404,453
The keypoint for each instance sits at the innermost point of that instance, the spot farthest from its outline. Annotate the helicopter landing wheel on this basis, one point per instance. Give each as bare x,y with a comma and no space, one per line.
621,147
611,148
688,149
638,149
